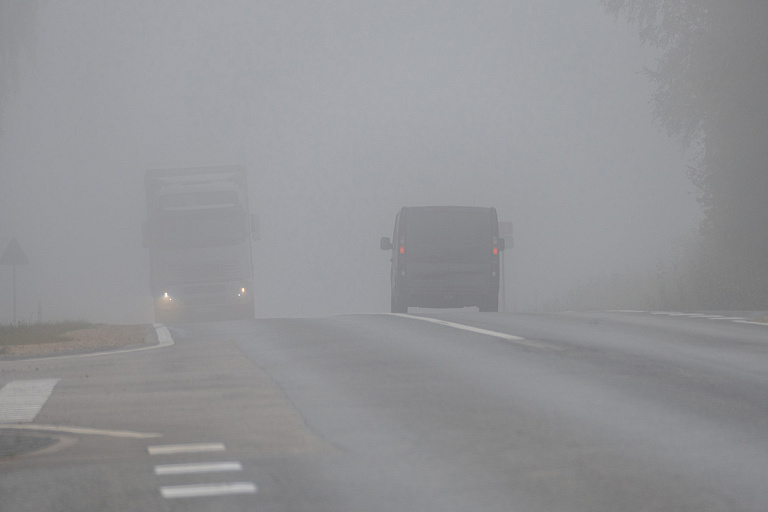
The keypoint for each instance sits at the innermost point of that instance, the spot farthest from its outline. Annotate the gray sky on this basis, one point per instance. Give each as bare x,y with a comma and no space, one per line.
343,112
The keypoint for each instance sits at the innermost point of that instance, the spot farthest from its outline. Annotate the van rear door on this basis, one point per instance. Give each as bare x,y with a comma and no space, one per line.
449,251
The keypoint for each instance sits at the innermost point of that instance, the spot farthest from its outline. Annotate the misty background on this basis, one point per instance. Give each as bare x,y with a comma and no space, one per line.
343,112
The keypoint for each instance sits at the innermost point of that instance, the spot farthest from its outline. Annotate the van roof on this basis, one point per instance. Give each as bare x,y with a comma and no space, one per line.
451,208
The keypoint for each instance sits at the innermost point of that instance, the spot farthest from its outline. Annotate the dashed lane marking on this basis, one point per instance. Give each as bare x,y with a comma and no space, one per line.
22,400
204,489
201,490
171,449
188,469
689,315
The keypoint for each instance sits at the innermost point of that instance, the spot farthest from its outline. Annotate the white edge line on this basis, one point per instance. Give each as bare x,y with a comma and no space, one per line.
163,336
736,320
186,469
501,335
194,491
476,330
81,430
171,449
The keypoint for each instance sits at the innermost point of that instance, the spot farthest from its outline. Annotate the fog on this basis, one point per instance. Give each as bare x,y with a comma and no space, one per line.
342,112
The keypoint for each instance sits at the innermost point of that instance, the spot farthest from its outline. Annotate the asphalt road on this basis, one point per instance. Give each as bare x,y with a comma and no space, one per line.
618,411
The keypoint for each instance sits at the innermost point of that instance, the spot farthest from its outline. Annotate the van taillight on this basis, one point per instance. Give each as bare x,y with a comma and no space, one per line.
495,251
402,249
495,246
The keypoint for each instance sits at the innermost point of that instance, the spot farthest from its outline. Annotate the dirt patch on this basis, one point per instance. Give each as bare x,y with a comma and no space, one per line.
14,443
102,337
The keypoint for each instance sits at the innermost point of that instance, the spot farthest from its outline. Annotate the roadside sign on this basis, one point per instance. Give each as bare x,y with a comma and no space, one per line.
14,255
505,229
506,232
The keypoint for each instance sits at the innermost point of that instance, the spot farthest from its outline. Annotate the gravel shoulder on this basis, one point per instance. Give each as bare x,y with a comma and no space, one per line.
96,339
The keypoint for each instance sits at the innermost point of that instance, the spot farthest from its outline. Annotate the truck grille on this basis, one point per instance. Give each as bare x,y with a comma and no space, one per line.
205,289
205,300
203,271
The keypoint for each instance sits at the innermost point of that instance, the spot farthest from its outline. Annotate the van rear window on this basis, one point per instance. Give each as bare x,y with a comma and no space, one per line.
436,236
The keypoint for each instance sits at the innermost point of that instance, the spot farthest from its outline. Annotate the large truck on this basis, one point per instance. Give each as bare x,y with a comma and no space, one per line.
198,231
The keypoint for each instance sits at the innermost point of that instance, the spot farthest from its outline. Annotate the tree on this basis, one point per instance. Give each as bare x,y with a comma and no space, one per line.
17,20
711,90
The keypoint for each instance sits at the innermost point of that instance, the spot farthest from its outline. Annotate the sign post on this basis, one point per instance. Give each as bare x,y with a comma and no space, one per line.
505,232
13,256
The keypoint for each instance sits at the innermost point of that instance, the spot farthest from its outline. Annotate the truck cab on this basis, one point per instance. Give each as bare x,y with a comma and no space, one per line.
199,232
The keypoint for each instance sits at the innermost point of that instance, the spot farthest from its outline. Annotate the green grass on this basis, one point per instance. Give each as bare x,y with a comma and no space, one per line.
33,334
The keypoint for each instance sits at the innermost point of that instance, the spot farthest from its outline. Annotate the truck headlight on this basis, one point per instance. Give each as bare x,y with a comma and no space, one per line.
242,292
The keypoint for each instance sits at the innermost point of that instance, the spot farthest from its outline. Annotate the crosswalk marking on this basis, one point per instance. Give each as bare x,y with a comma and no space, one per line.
22,400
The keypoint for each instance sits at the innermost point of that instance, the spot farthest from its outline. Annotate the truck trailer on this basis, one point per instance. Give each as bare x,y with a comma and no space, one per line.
199,230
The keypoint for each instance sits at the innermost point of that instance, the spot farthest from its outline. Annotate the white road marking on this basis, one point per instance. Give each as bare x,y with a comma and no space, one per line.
195,491
187,469
476,330
198,490
674,313
83,430
734,319
172,449
22,400
690,315
501,335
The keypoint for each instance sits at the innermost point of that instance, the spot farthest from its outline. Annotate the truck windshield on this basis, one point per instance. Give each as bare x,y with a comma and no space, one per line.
436,236
206,199
209,227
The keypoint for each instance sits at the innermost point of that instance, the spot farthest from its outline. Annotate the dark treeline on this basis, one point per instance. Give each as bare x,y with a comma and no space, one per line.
711,90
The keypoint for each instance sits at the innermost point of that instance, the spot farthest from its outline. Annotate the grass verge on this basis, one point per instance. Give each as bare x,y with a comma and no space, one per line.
35,334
